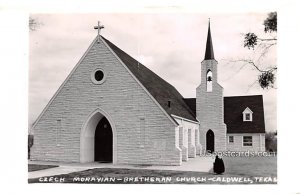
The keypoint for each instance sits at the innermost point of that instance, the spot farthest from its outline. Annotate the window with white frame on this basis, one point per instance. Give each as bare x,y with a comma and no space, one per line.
231,139
247,115
247,140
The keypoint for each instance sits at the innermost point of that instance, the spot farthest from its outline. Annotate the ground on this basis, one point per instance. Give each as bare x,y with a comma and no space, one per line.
36,167
251,166
239,170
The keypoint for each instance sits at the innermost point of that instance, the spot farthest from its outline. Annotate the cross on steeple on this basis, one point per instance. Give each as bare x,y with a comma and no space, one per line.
99,27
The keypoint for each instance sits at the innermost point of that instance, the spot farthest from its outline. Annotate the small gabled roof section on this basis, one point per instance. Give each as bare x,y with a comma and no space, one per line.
247,110
234,106
247,115
163,92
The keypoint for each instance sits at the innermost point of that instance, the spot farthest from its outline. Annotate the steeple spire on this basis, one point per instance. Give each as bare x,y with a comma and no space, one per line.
209,52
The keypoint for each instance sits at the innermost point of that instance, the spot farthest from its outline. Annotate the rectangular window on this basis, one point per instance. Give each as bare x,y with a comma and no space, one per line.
231,139
247,140
247,116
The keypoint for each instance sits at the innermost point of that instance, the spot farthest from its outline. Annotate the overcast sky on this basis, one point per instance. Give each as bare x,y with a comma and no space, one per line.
171,45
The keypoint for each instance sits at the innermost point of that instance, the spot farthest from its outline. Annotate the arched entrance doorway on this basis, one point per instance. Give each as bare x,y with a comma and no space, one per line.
103,141
98,138
210,141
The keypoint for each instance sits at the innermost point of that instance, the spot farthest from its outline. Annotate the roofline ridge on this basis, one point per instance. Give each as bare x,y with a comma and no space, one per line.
142,64
137,80
64,82
181,101
243,96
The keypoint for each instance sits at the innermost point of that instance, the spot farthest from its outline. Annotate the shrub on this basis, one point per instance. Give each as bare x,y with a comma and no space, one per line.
271,141
30,144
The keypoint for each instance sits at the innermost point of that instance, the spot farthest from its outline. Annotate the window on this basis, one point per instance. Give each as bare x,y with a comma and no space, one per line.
231,139
247,115
247,140
98,76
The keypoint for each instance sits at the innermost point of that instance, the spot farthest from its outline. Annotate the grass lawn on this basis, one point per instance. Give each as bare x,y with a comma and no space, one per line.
251,166
36,167
240,170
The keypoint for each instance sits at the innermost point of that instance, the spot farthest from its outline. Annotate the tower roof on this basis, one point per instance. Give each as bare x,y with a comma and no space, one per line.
209,52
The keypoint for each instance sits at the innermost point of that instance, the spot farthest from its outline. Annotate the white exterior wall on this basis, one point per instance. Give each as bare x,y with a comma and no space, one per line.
182,144
210,107
197,142
258,142
144,133
188,142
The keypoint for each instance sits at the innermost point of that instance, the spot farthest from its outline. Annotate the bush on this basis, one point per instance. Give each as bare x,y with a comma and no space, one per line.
30,144
271,141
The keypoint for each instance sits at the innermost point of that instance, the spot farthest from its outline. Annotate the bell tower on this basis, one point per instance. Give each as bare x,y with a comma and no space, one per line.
210,103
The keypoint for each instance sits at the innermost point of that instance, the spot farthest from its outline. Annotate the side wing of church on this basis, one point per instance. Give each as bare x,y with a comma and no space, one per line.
111,108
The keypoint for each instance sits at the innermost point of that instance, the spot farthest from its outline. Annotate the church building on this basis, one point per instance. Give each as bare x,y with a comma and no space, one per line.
111,108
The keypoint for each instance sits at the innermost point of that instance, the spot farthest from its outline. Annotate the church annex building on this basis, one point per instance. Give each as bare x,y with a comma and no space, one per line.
111,108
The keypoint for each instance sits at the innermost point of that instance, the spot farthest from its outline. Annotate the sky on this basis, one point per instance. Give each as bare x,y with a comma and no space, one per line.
172,45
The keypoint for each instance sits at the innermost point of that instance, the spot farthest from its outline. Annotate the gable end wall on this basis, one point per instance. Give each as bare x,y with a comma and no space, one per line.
145,135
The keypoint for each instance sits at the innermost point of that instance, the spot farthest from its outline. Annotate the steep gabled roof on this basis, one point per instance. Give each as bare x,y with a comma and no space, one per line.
209,51
161,90
233,113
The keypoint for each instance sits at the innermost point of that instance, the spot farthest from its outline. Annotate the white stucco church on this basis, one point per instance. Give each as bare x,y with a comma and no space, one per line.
111,108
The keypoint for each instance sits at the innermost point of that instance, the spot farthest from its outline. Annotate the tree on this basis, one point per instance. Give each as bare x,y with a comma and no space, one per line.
30,143
271,141
267,72
33,24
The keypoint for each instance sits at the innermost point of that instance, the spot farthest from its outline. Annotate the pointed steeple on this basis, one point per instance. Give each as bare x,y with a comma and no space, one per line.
209,52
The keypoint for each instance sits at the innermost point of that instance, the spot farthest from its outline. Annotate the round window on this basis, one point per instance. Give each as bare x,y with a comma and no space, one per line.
98,76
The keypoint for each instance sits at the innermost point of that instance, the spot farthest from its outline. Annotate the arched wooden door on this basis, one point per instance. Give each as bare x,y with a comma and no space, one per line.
210,141
103,141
